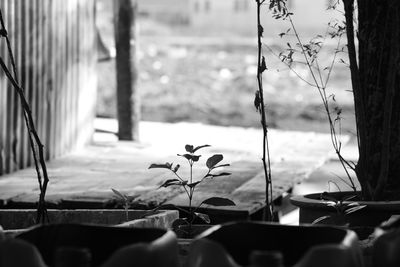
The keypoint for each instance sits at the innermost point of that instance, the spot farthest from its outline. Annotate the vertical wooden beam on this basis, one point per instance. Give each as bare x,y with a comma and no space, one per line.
128,105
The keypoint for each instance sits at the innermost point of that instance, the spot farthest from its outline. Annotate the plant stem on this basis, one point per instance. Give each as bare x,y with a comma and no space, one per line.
38,156
268,211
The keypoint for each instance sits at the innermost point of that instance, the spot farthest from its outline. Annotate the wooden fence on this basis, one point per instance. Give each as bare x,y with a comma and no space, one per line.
55,52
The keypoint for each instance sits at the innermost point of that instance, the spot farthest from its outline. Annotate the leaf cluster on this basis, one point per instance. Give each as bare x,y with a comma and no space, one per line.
189,184
343,207
279,9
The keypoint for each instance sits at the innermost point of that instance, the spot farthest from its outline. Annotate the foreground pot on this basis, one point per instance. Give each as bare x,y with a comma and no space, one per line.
186,236
108,246
375,212
295,243
16,220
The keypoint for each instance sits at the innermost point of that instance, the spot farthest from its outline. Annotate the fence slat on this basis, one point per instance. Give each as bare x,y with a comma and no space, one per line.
53,43
3,95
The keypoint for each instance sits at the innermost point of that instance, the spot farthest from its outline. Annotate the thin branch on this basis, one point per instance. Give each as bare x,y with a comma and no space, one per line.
266,156
32,133
289,66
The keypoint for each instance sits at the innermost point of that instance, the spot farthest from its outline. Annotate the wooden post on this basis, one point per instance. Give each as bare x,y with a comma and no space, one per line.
128,105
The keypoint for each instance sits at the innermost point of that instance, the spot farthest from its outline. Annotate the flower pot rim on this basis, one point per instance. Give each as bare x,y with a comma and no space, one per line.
312,200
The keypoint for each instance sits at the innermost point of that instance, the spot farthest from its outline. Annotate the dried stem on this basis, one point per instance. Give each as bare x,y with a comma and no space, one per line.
35,143
268,212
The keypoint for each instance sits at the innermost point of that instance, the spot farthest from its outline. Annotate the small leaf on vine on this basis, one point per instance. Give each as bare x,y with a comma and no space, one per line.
257,101
260,30
263,66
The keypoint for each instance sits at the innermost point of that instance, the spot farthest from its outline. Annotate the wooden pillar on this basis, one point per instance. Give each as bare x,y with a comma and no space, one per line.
128,102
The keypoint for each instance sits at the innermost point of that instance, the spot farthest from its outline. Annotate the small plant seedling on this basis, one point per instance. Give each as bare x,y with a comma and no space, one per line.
125,200
189,184
342,207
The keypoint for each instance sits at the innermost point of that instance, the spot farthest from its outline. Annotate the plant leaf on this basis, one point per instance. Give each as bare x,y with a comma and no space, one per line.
203,217
326,196
354,209
214,160
190,157
218,175
320,219
166,165
132,198
176,168
257,101
219,201
189,148
349,197
119,194
200,147
222,165
170,182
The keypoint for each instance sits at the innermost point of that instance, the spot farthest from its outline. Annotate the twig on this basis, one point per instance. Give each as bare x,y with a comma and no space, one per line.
38,156
268,211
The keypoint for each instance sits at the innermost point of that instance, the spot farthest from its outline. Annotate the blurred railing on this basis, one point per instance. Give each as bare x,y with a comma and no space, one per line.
55,53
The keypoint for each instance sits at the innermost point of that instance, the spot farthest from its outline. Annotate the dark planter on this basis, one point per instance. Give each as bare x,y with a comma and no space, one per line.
186,232
312,207
17,220
157,247
240,239
186,237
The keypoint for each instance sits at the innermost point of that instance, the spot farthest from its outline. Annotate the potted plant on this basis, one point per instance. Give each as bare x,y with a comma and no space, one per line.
185,226
373,59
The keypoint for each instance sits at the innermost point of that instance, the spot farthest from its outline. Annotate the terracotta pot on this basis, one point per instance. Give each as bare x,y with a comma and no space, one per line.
312,207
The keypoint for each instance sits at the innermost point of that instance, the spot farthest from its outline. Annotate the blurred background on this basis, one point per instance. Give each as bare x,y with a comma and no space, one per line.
197,62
